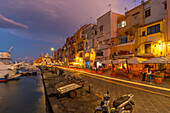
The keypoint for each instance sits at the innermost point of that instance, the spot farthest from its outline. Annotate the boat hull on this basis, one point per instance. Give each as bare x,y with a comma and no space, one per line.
3,79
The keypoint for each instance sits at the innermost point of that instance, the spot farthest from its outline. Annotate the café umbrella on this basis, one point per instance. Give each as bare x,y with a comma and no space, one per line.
135,60
157,60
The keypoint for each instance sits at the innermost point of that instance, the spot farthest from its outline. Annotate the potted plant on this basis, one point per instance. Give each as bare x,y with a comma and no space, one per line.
130,75
158,79
113,73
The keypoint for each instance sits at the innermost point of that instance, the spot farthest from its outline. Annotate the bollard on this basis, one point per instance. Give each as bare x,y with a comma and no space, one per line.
90,87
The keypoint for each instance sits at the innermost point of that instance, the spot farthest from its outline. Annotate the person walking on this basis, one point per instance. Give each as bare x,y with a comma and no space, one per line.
149,72
143,75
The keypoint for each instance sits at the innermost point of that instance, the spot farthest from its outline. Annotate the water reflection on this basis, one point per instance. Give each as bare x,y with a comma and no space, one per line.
22,96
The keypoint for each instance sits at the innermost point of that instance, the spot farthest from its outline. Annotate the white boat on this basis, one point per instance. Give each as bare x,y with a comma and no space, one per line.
7,71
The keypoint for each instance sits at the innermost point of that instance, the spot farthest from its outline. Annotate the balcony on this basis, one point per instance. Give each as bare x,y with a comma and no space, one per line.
101,47
101,34
73,52
74,41
80,49
85,39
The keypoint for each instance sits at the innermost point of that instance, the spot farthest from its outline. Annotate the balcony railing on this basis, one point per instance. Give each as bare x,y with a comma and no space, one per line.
100,34
102,47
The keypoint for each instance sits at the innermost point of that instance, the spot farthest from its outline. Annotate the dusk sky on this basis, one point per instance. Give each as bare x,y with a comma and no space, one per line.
33,26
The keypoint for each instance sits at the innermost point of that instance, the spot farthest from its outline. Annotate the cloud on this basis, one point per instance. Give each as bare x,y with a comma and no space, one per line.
8,23
50,20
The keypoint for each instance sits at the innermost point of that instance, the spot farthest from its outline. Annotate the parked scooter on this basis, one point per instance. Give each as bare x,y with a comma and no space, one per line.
120,105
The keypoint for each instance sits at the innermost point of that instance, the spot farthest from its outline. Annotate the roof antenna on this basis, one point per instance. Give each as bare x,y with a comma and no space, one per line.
109,6
90,20
125,9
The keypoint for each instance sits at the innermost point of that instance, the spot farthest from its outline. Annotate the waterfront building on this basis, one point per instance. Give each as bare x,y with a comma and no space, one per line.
123,45
106,29
167,26
89,52
78,47
62,55
154,10
43,60
70,49
151,40
54,57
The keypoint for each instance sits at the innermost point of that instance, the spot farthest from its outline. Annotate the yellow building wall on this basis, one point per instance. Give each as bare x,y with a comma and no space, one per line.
157,40
130,28
79,39
128,47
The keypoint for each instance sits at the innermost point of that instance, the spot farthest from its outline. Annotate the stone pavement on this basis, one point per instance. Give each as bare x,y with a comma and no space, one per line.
146,102
84,102
165,83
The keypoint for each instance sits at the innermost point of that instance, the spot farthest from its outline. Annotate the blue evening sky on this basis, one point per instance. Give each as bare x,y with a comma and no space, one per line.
33,26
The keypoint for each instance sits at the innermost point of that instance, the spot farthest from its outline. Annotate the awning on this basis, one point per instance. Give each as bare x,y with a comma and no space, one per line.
135,60
157,60
107,62
168,58
118,61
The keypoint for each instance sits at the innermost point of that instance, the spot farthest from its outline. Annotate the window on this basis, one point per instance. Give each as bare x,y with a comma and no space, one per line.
147,13
153,29
158,28
86,45
95,32
123,40
81,55
119,25
85,36
126,33
112,43
101,28
92,43
147,48
143,33
165,5
149,30
123,23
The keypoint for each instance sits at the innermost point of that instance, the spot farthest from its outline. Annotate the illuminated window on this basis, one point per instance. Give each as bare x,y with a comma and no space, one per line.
85,36
123,23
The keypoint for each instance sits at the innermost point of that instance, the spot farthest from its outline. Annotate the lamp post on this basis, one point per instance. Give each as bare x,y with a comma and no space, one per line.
52,49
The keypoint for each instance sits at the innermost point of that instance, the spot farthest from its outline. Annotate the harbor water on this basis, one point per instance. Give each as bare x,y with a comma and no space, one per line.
23,96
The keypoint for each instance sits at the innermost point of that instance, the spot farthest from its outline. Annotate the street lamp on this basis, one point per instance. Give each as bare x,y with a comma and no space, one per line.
52,49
